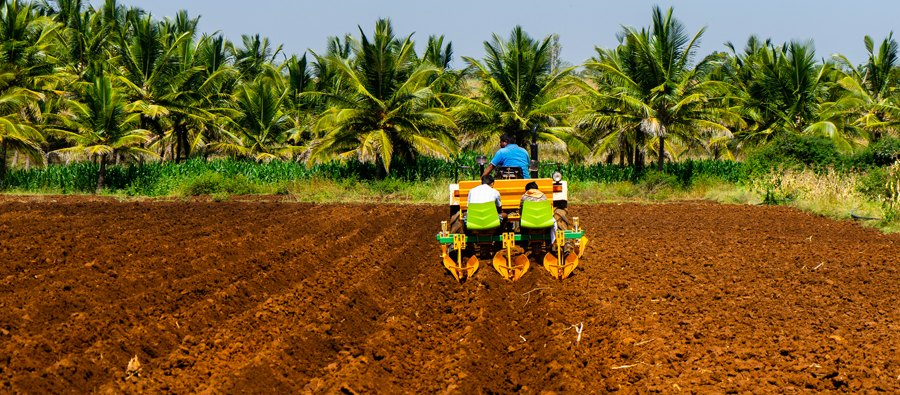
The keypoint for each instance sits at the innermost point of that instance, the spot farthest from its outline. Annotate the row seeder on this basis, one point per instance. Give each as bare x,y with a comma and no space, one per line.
537,230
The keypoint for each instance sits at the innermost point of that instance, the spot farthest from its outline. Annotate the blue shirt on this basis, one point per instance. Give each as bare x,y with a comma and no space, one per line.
512,156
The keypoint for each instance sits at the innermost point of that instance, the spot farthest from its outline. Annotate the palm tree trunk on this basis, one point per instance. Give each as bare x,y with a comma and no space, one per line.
177,145
102,173
629,155
3,164
15,159
181,143
185,146
661,153
144,124
638,158
380,171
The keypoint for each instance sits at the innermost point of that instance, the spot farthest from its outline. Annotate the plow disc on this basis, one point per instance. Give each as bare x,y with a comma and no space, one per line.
561,265
457,269
502,264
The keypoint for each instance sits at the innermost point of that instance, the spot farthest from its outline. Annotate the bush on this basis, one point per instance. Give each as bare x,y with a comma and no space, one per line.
655,182
149,187
390,186
793,150
882,153
217,184
873,184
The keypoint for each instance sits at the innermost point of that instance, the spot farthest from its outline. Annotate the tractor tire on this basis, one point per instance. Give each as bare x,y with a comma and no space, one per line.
485,251
562,223
537,251
562,219
455,225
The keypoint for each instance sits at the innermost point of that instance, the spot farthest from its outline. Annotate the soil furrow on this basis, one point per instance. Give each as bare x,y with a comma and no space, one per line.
235,297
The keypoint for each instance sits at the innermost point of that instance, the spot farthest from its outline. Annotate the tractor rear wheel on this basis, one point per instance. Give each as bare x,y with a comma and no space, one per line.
455,225
562,223
485,251
536,251
562,219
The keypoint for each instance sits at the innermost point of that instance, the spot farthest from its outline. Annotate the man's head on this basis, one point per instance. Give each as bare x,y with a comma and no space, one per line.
487,179
531,185
505,139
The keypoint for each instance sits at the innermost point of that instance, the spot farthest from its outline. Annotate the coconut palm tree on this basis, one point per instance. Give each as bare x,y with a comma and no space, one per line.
437,53
250,59
219,82
27,77
383,111
315,75
98,125
793,83
195,94
874,86
85,41
740,71
649,90
261,126
16,135
156,66
299,79
783,89
327,77
447,81
517,93
195,99
145,66
602,120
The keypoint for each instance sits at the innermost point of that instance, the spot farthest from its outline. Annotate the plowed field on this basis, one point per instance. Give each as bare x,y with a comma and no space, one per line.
268,297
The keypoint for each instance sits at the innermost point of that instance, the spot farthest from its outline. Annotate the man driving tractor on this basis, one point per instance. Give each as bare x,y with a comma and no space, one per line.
509,155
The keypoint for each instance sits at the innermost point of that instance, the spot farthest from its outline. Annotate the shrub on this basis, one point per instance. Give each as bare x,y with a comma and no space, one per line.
882,153
792,150
873,183
217,184
655,182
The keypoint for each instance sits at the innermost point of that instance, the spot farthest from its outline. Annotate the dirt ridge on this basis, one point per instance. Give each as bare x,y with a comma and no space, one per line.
242,297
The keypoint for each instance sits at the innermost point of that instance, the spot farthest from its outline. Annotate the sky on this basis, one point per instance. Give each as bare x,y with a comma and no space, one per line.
834,26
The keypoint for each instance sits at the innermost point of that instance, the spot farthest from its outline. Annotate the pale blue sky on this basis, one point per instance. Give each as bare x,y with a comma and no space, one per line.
835,26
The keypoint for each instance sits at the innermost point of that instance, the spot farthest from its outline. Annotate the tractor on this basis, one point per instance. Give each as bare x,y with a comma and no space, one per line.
483,236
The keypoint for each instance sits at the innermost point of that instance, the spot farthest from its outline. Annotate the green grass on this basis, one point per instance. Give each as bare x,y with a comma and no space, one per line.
824,191
828,192
318,190
661,190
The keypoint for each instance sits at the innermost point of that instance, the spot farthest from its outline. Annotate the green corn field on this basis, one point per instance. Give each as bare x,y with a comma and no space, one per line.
158,178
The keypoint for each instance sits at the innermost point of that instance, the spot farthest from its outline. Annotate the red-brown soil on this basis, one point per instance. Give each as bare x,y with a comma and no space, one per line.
269,297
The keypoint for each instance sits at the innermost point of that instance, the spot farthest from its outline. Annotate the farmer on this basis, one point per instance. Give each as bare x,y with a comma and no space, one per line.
486,193
533,194
509,155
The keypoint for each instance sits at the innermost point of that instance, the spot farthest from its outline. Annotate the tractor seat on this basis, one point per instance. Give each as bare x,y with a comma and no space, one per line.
510,173
482,216
537,215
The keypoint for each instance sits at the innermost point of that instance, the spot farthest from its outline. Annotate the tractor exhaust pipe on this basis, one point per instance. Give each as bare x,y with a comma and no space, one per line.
533,169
